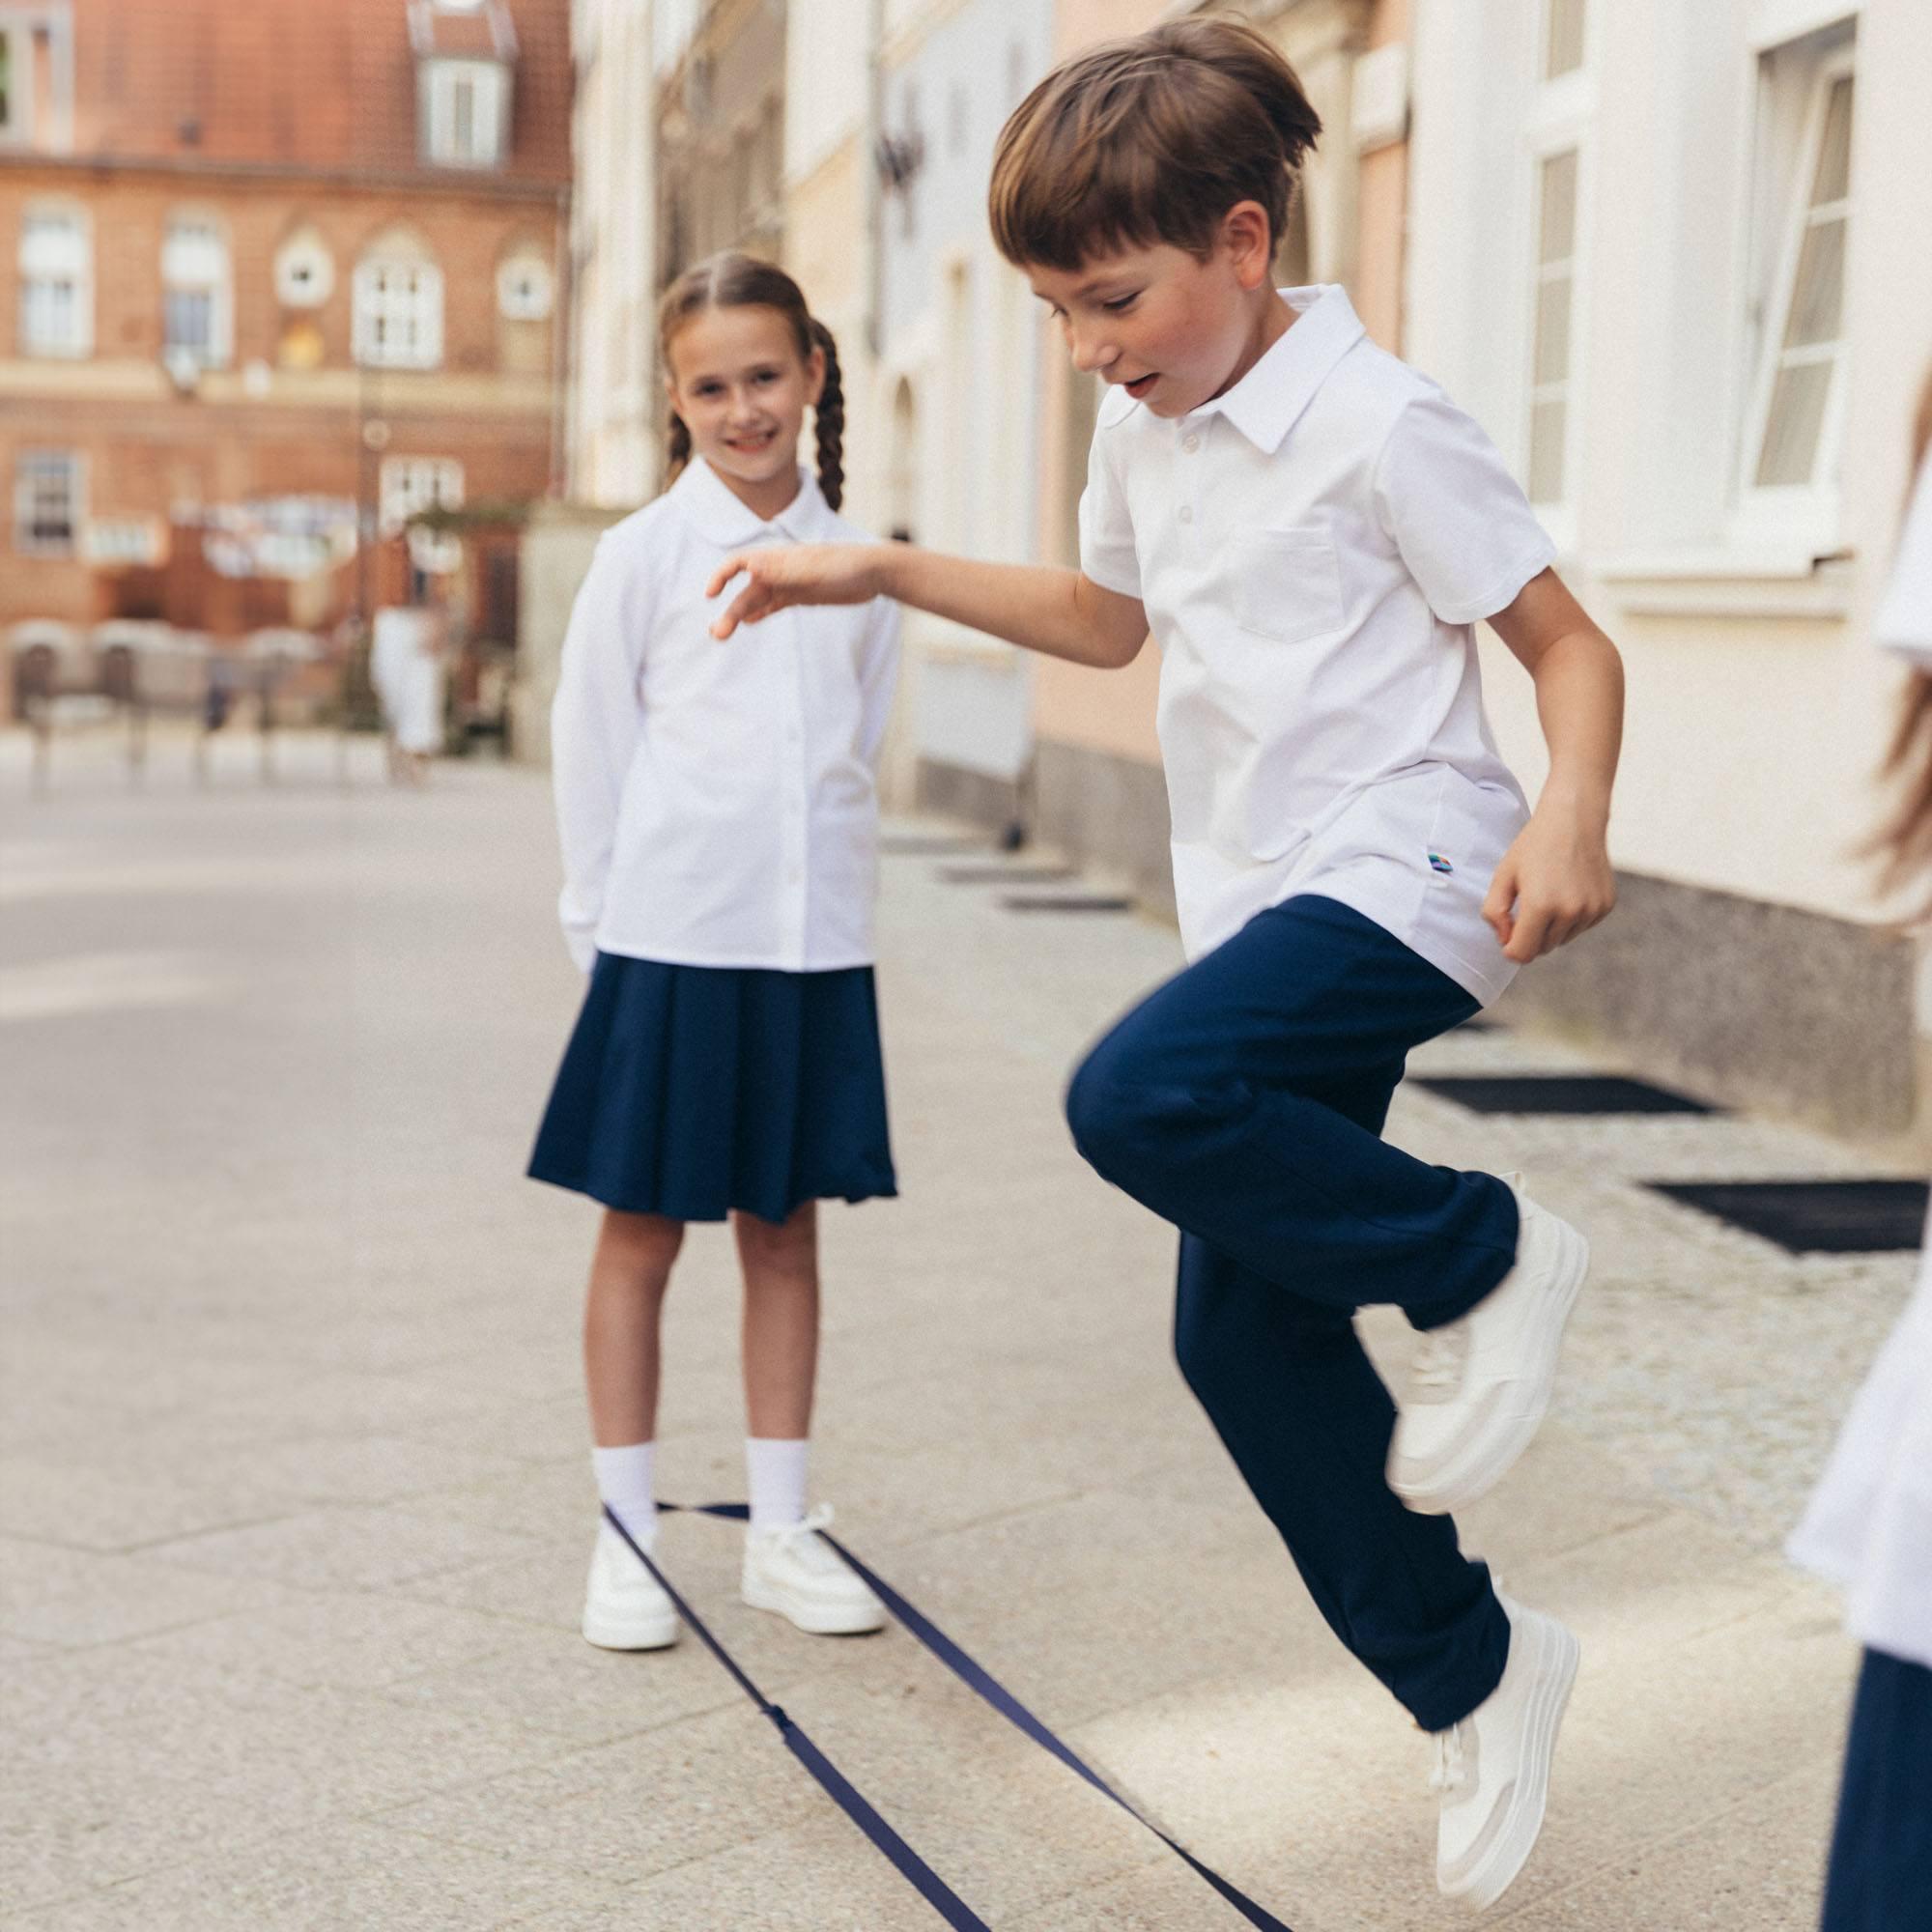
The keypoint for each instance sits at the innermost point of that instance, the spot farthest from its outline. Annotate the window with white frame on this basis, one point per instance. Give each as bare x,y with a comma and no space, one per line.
466,112
1559,120
35,73
1791,448
410,485
398,322
56,283
1551,346
197,293
13,73
48,506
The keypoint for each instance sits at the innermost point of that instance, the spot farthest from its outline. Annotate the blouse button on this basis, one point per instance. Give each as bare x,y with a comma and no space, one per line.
1186,513
1191,444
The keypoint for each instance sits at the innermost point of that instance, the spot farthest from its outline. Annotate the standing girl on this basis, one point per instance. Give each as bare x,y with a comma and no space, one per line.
718,821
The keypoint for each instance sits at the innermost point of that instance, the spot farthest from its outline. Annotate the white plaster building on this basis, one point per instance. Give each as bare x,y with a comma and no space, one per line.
958,380
1673,258
613,455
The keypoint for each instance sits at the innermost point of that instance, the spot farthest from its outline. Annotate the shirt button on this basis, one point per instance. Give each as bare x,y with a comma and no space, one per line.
1191,444
1186,513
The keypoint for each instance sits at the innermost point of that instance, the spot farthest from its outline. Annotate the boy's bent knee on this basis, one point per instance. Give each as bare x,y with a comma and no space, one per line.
1102,1110
1128,1096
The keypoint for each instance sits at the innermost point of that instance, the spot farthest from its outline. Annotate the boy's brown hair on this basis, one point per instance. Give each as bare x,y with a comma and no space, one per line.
1148,140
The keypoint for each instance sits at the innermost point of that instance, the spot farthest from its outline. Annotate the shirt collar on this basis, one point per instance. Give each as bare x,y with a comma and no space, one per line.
722,517
1264,403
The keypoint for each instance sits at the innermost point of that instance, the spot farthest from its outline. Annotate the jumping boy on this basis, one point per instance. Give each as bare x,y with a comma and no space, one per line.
1310,530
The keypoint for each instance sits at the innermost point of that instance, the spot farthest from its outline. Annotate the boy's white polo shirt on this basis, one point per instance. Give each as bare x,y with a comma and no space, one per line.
716,801
1312,548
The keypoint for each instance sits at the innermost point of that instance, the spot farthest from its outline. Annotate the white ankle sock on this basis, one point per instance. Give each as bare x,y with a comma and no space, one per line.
776,1472
625,1481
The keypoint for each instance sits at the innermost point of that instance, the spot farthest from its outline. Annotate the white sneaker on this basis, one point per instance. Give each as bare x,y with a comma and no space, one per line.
624,1607
1479,1388
796,1573
1493,1769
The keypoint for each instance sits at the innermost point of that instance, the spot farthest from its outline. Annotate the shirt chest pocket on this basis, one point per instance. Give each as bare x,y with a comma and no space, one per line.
1286,584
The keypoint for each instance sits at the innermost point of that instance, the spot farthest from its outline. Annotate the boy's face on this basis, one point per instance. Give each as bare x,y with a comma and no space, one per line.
1170,329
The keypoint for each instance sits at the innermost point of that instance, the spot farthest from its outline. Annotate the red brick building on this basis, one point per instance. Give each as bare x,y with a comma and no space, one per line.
268,274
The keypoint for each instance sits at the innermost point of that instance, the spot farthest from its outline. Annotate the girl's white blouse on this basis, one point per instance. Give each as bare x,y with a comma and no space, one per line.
716,801
1869,1526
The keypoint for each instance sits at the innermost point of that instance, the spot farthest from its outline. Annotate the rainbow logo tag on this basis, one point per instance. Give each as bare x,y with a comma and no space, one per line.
1438,863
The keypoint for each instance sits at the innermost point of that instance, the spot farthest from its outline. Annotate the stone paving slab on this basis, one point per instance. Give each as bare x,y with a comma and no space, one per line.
348,1874
295,1502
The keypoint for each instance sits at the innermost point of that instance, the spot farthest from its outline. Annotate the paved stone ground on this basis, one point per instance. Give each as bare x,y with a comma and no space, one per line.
294,1503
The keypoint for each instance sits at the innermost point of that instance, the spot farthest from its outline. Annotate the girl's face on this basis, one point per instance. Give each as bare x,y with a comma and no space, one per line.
1172,330
736,377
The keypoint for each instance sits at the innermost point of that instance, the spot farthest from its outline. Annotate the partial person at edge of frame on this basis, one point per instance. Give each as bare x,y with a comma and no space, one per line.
1869,1525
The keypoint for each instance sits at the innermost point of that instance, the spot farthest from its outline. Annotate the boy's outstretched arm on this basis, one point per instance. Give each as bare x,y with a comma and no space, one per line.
1555,881
1059,613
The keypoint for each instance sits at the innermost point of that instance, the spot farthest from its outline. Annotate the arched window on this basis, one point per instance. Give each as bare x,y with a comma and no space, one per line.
197,292
56,281
525,288
305,269
398,305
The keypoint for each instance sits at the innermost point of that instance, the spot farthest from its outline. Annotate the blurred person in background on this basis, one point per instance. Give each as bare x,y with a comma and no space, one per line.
1869,1526
406,665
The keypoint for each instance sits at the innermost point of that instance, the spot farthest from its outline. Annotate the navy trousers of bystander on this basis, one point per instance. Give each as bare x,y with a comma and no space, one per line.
1881,1876
1244,1101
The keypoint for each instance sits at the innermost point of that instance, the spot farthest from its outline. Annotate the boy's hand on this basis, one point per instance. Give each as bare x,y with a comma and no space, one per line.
787,574
1554,883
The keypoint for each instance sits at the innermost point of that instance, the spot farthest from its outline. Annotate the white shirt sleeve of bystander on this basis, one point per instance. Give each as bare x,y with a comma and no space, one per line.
878,676
1904,620
1869,1523
595,723
1107,555
1464,529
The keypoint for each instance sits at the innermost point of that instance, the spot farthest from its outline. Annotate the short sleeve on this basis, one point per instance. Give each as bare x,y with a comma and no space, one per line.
1106,530
1904,620
1460,518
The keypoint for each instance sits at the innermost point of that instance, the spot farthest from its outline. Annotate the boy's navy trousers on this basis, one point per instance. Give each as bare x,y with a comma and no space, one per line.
1244,1101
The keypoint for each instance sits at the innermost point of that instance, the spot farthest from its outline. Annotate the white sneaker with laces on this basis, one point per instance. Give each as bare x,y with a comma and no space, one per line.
1478,1388
1493,1769
624,1607
795,1571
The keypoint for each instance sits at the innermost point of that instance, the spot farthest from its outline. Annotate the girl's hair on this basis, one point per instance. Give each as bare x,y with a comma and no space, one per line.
740,281
1148,140
1904,841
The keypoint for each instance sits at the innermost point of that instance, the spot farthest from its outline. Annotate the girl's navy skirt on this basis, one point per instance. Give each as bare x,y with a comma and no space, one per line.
689,1090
